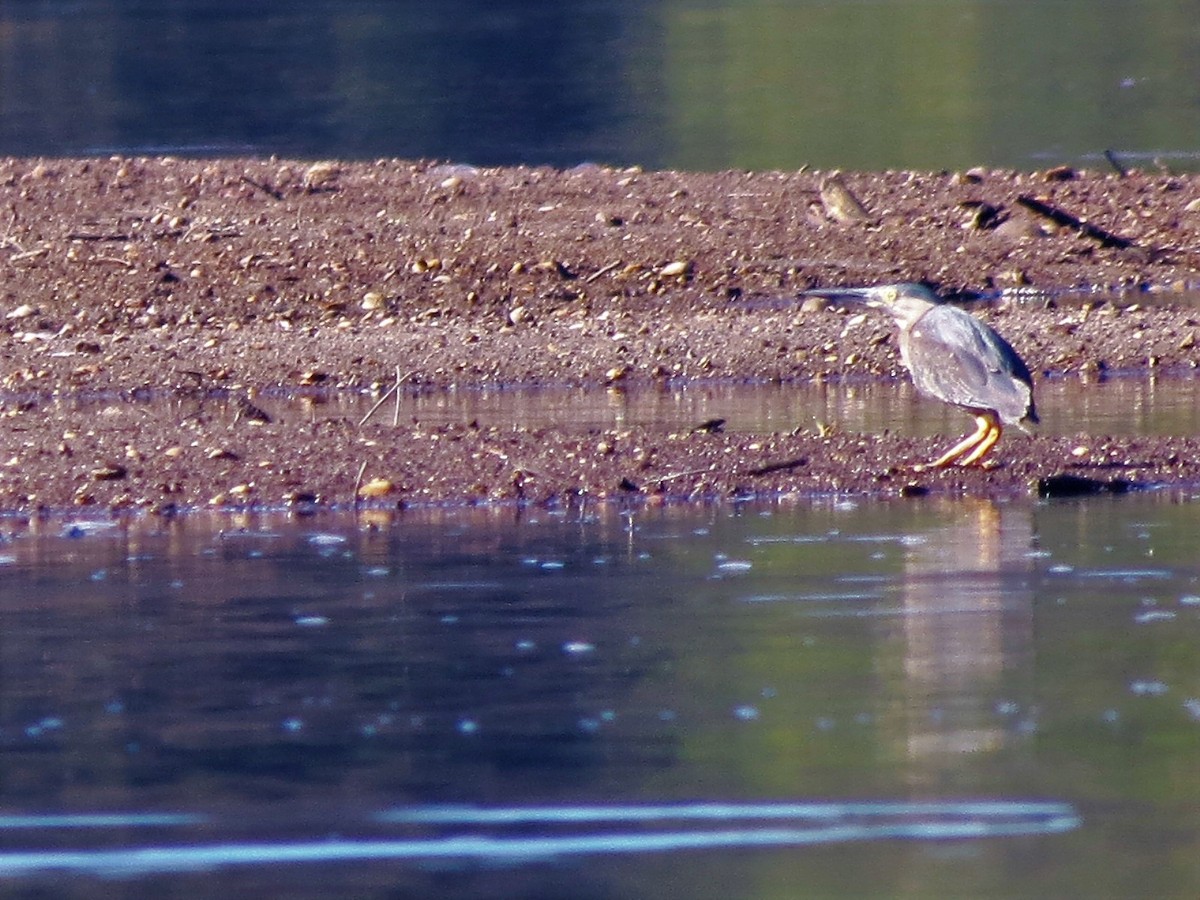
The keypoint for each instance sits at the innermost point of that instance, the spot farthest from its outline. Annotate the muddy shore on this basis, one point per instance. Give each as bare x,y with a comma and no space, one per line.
193,281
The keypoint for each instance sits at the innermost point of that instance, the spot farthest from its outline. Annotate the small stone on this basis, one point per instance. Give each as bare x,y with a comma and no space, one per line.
675,269
109,472
372,300
376,487
519,314
321,175
24,311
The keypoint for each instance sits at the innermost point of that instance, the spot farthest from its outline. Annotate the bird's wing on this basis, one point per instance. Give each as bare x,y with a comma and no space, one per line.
956,358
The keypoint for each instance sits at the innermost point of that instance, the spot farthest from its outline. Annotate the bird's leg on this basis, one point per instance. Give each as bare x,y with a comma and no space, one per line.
986,444
982,426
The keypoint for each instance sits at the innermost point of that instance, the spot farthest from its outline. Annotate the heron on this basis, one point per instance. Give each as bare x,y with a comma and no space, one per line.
955,358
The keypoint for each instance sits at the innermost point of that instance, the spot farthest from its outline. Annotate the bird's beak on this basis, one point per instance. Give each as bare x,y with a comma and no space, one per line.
863,296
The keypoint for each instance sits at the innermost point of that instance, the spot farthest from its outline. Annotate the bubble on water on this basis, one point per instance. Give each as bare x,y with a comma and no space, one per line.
1158,615
1192,705
735,566
86,529
1189,600
746,713
293,725
1147,688
467,726
551,565
311,621
578,648
325,539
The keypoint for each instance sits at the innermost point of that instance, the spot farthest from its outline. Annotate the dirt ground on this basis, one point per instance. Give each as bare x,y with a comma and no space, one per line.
134,290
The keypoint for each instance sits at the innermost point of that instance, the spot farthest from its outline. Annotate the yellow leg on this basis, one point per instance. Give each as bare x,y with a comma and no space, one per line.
981,450
982,426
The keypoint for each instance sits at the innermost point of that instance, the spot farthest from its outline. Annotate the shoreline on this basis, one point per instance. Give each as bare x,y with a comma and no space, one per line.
231,277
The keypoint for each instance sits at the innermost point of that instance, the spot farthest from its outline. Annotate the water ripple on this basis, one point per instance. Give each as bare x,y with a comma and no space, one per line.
740,825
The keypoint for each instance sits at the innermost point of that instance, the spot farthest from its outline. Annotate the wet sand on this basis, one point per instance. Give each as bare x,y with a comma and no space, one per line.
194,280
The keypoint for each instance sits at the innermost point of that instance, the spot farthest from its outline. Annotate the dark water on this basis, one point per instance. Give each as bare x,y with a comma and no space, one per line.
695,84
867,699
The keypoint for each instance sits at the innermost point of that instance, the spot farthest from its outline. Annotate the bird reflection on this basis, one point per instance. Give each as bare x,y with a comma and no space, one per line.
967,623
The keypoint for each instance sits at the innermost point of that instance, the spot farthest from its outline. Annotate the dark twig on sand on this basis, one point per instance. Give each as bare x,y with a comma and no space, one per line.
358,482
783,466
1061,217
1116,163
265,188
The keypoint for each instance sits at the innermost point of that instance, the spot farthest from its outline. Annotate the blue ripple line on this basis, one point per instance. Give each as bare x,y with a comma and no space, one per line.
170,859
99,820
472,815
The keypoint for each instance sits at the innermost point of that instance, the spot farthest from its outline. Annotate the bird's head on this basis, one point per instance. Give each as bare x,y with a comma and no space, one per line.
906,302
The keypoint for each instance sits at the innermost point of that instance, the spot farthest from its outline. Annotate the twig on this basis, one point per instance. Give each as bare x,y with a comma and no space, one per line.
1061,217
96,236
396,412
115,260
670,476
382,400
265,188
1113,161
601,272
358,481
779,466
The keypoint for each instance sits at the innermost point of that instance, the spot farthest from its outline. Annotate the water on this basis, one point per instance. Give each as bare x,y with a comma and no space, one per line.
838,699
925,697
857,84
1132,405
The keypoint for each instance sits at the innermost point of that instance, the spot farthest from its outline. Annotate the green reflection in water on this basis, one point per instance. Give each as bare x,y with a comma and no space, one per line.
929,84
943,649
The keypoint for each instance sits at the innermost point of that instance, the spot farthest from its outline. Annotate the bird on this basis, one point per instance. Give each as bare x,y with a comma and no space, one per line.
954,357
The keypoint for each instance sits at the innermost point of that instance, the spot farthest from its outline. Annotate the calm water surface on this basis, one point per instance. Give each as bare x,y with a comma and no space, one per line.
694,84
925,698
1134,405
